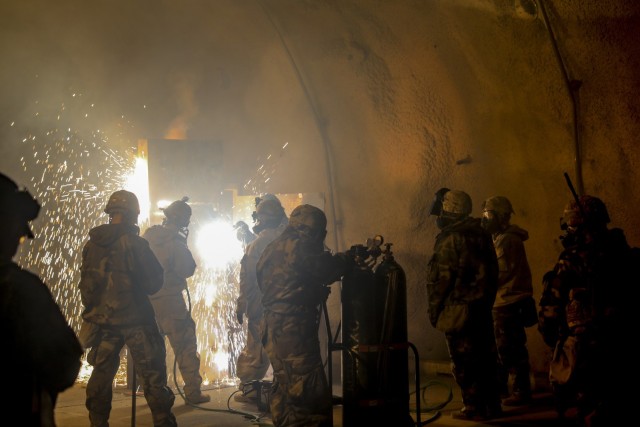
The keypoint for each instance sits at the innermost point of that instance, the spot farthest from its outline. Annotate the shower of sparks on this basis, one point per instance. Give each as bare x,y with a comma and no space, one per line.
264,172
73,170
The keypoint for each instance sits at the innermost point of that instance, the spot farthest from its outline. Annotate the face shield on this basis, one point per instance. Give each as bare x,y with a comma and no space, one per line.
436,205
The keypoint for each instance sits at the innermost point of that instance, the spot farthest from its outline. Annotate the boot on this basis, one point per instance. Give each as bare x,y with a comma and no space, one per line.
198,397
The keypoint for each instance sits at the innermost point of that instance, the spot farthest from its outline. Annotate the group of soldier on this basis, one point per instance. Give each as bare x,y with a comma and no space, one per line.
131,288
479,289
480,295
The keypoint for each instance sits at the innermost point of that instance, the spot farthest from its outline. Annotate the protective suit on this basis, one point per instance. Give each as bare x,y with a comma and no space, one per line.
293,274
253,362
514,308
169,245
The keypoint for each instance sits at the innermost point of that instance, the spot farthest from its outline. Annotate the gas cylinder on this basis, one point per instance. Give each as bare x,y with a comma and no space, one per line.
375,348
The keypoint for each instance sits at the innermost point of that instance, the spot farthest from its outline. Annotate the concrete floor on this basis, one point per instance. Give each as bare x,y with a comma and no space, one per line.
440,397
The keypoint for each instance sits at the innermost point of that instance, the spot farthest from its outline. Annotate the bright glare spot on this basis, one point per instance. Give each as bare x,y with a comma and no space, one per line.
218,245
221,359
163,204
137,183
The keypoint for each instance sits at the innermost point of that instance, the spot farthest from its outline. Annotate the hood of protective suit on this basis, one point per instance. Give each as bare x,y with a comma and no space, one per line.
308,217
160,234
519,231
106,234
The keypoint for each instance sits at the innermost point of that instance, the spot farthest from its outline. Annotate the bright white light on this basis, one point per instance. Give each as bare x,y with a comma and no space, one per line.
138,184
221,359
163,203
218,245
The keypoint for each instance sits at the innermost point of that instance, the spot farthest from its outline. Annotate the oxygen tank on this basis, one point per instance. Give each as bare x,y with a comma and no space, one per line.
375,348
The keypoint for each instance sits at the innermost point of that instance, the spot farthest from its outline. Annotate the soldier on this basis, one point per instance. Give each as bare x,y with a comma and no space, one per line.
119,272
243,233
461,286
514,308
253,363
41,353
293,274
169,244
585,315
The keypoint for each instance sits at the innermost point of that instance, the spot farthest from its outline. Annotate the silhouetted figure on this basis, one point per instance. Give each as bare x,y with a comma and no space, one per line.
41,355
119,272
585,315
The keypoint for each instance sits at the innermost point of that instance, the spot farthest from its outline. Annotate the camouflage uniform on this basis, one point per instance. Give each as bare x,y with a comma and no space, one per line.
293,273
463,271
122,310
172,314
585,315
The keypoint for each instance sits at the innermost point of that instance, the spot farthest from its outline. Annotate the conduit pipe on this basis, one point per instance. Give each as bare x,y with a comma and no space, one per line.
319,124
573,86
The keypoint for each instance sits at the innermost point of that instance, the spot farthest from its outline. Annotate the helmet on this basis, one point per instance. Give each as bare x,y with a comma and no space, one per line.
266,196
122,201
456,202
591,212
20,202
308,220
178,212
269,209
269,214
499,204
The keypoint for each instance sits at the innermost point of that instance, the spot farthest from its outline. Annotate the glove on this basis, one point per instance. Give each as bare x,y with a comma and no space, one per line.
239,315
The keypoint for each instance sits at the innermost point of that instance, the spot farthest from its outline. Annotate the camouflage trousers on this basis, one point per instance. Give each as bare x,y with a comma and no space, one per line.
301,396
148,352
474,360
253,362
182,337
511,342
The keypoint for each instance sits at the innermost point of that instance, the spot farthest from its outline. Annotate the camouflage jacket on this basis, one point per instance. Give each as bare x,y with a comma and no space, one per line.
463,268
514,273
294,274
588,287
118,273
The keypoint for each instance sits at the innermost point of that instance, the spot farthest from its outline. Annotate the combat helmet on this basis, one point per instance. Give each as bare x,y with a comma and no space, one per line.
456,202
178,212
122,201
590,213
498,204
14,201
269,214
